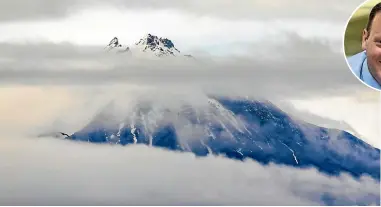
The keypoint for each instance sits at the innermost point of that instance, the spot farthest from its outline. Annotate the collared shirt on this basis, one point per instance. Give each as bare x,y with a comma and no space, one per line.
359,66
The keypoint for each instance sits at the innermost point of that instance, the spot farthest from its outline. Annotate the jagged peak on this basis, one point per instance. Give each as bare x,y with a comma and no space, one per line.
159,46
151,39
114,42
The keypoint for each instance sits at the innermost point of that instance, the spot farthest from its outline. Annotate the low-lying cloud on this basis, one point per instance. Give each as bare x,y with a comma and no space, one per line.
55,172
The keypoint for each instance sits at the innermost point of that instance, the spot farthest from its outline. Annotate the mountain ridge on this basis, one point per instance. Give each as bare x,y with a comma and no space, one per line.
151,44
238,129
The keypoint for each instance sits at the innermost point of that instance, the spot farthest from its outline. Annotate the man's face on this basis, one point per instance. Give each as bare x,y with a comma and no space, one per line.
371,42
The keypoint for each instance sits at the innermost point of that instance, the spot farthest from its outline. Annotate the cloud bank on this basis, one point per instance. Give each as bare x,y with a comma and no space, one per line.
42,172
246,9
281,70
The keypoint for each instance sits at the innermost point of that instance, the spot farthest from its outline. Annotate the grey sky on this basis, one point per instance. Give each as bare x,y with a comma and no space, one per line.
191,24
281,69
19,10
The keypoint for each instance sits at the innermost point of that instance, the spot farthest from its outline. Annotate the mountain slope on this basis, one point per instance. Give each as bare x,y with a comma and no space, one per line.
149,44
157,45
238,129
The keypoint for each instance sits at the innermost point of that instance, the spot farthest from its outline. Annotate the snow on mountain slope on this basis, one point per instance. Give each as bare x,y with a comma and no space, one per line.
157,45
238,129
148,45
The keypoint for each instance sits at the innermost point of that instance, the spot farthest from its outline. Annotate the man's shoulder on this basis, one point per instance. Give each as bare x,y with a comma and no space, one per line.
356,61
357,57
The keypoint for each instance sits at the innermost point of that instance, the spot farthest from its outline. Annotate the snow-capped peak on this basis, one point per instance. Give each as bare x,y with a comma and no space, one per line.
149,45
114,43
158,45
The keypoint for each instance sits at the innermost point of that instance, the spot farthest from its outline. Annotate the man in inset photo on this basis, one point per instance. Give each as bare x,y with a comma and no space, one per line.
366,65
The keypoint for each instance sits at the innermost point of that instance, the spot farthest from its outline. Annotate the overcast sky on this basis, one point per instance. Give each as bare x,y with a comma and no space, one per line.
246,9
210,25
54,74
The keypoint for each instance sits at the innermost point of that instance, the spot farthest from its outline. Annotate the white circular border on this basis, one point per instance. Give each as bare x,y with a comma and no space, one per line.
343,41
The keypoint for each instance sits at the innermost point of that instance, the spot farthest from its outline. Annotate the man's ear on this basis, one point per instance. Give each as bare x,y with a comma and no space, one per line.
365,36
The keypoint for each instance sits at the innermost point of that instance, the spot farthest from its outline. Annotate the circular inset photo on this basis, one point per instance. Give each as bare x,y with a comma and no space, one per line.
362,43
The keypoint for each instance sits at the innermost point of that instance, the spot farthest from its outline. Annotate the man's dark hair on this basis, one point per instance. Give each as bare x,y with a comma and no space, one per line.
376,9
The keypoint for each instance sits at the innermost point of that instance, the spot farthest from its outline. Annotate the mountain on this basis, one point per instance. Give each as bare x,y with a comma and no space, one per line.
151,44
157,45
61,135
115,45
238,129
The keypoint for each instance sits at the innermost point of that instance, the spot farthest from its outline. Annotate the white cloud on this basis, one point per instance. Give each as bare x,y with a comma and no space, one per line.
54,172
280,68
361,115
188,31
17,10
